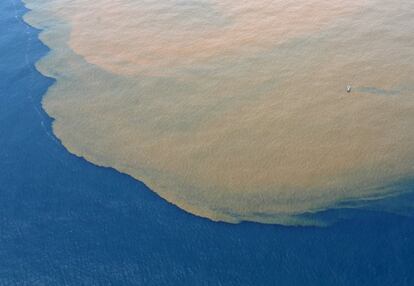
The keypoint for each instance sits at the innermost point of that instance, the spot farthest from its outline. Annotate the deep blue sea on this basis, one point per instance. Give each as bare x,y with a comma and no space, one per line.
64,221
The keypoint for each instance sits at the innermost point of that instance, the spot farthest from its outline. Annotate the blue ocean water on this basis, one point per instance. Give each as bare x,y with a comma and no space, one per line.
64,221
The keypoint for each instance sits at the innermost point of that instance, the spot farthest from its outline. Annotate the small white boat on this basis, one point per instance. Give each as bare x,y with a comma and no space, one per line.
348,88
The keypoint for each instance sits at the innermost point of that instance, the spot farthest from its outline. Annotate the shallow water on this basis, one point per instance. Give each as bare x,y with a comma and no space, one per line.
64,221
236,110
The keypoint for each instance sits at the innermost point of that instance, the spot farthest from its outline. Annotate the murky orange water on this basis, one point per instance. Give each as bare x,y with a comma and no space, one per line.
236,110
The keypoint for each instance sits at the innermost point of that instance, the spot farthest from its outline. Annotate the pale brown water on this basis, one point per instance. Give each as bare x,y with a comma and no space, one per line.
236,110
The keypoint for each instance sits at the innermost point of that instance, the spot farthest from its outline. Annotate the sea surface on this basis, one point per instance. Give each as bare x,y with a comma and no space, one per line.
65,221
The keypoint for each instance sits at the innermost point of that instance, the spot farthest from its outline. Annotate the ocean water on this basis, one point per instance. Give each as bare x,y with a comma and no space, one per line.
65,221
236,111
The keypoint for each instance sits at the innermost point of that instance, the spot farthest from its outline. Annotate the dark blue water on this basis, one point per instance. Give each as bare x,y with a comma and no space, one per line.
64,221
